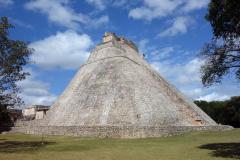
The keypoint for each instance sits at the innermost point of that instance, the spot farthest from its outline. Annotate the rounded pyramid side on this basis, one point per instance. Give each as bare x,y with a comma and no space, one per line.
117,87
114,91
182,102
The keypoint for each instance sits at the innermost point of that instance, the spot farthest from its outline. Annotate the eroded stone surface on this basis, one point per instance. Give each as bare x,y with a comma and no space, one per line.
118,87
118,94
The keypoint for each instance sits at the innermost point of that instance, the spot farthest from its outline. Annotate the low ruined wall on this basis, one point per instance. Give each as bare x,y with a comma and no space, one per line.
118,131
35,122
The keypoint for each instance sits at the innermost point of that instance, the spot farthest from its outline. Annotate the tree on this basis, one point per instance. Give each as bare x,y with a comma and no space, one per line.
4,114
223,112
222,54
231,112
213,109
14,55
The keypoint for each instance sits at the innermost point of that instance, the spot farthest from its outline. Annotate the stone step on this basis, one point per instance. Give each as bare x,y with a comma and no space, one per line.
5,132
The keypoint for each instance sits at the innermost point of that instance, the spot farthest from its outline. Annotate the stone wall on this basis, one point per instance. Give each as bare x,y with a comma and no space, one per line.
40,114
118,131
35,122
29,111
117,94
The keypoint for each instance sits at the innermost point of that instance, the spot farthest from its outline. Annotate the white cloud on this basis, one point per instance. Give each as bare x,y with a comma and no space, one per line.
59,12
119,2
195,91
180,25
142,46
154,9
99,21
180,74
102,4
5,3
214,97
34,91
65,51
161,53
157,9
186,77
141,13
222,92
20,23
153,53
194,4
99,4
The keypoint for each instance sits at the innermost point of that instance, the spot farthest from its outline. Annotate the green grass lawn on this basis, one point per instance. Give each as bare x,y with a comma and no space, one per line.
193,145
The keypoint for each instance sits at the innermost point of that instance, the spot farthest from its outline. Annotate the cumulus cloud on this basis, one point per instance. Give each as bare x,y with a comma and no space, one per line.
35,92
214,97
196,92
194,4
154,9
183,73
186,77
99,4
180,25
5,3
215,93
63,51
59,12
157,9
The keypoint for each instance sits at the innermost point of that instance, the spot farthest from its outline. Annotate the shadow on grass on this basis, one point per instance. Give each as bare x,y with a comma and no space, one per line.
2,139
224,150
21,146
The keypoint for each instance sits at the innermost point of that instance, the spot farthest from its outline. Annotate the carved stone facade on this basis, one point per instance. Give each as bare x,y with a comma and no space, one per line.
118,94
35,112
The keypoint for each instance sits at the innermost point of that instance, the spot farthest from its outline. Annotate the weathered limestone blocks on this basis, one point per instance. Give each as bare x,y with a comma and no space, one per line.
117,94
118,131
35,112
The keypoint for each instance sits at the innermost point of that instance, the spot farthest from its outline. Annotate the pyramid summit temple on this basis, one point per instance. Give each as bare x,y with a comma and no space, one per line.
117,94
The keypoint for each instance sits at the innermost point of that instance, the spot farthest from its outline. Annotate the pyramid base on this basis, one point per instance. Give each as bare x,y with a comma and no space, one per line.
119,131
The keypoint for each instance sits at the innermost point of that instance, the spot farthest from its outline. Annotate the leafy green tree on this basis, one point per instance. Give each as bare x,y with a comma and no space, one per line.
203,105
212,109
222,54
216,113
231,112
14,54
4,114
223,112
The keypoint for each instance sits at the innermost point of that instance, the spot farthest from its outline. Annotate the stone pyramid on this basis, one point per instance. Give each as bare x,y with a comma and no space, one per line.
119,94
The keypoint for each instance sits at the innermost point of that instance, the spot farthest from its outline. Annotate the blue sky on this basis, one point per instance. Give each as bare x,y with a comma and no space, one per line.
63,32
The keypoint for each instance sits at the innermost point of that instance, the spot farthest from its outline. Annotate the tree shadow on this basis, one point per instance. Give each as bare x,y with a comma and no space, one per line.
4,129
224,150
22,146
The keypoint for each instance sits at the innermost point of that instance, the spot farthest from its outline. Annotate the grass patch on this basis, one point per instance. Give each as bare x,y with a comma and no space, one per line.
193,145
